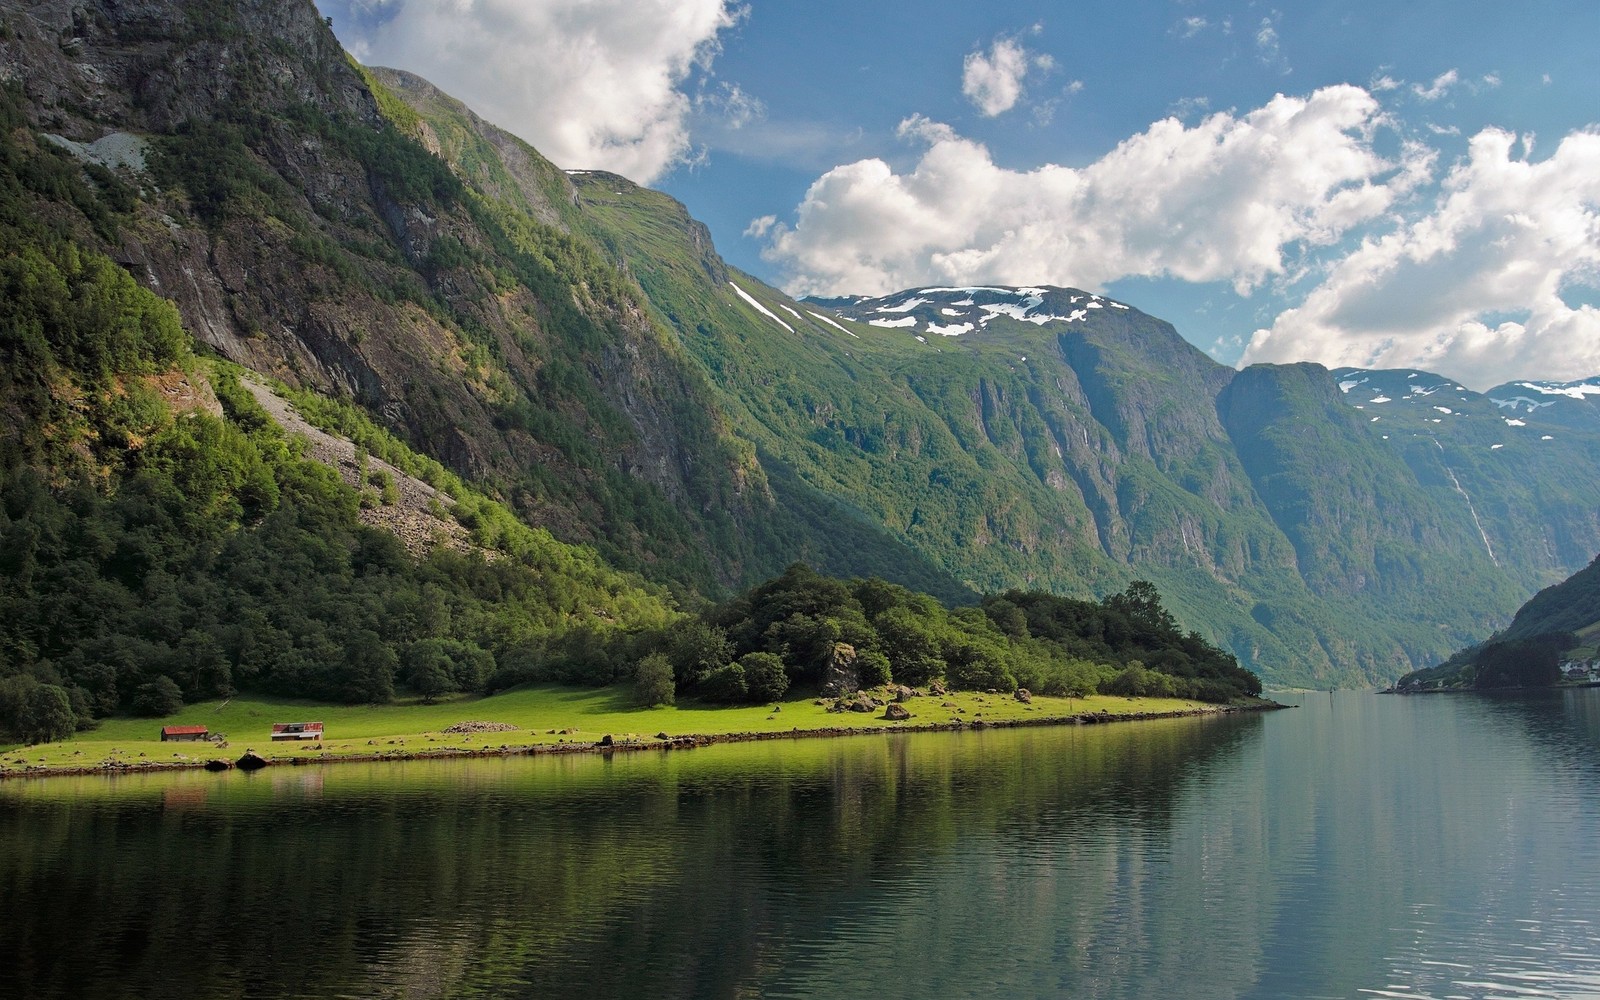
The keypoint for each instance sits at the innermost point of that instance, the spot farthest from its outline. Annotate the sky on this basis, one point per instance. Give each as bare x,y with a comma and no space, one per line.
1373,183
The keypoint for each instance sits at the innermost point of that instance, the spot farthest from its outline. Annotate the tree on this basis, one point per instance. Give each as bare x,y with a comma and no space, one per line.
765,678
429,677
725,684
696,650
47,715
158,697
1141,605
652,680
369,669
975,667
911,646
873,668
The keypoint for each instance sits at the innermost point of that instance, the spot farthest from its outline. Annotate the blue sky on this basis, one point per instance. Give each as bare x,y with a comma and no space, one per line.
1388,184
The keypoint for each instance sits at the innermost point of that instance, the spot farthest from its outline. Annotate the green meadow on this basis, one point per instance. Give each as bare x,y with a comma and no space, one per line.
545,715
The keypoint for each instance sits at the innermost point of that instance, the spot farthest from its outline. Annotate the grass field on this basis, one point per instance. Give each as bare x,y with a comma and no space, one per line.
544,715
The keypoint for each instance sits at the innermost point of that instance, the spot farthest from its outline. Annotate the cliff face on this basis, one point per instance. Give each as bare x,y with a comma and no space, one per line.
304,234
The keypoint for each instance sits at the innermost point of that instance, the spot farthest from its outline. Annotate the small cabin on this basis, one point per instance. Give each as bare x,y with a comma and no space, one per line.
296,731
184,734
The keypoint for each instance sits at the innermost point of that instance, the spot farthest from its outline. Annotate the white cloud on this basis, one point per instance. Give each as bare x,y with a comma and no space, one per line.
1190,26
590,83
1439,88
1189,108
1222,200
993,82
1476,282
732,104
1267,43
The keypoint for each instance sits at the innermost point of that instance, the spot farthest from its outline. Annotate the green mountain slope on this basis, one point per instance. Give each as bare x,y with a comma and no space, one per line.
295,212
1558,624
572,345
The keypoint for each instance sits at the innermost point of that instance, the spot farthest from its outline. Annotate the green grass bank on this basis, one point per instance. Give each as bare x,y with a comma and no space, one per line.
549,718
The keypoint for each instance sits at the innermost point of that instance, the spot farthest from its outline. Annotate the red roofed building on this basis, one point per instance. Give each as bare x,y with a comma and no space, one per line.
296,731
187,734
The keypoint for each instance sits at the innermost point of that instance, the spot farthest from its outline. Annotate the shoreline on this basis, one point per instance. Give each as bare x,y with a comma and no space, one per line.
607,745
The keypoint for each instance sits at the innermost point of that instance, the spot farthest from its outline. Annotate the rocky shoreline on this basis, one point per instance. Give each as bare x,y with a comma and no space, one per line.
607,745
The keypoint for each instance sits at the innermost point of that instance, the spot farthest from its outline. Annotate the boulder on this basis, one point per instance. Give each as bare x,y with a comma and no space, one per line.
896,713
903,693
937,689
251,761
1024,695
862,704
219,765
841,675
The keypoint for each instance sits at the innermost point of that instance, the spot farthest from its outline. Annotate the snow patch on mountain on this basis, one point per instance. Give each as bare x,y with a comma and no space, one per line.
903,307
1519,402
1573,390
763,310
831,322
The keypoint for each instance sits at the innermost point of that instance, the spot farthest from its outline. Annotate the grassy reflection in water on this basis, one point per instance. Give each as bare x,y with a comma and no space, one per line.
707,872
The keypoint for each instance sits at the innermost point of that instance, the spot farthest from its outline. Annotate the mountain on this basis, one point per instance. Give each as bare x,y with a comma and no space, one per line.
1558,624
572,346
295,211
1277,504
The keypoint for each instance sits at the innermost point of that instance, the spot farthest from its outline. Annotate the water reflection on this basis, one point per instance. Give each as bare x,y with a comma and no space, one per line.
1355,846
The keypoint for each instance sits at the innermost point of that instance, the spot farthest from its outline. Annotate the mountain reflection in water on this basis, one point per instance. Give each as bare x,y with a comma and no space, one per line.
1355,846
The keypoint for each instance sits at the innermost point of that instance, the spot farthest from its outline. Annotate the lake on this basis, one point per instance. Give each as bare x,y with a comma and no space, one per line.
1355,846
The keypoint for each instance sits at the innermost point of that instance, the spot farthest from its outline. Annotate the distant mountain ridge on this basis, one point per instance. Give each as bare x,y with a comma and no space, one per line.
573,344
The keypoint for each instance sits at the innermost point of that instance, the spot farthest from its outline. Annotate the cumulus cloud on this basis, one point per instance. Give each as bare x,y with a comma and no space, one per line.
1225,199
590,83
993,81
1481,279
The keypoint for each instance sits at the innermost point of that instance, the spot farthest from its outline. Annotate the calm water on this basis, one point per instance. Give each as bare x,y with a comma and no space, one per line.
1357,846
